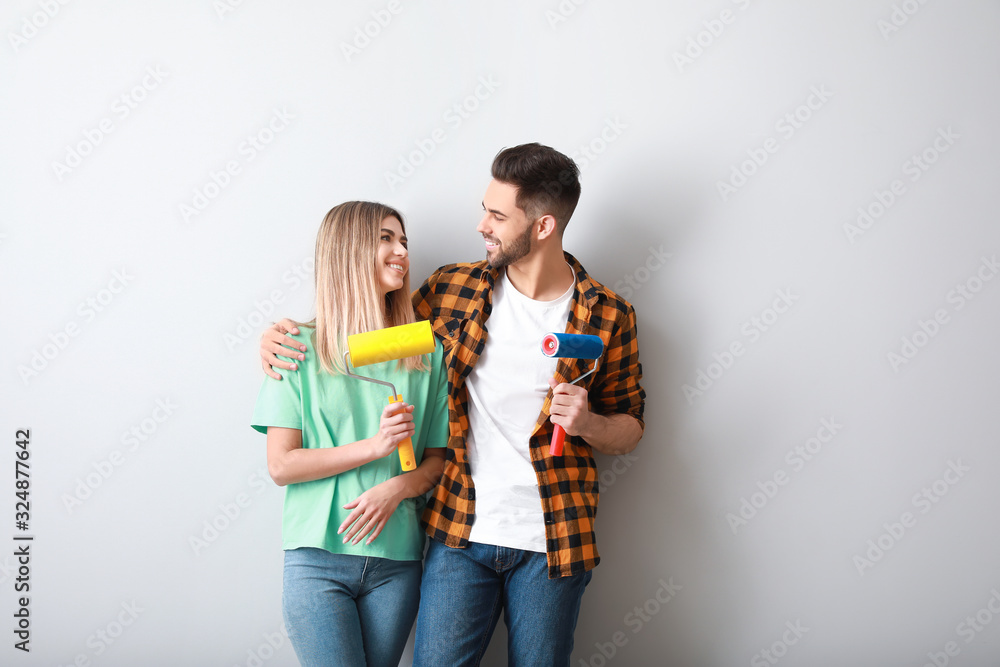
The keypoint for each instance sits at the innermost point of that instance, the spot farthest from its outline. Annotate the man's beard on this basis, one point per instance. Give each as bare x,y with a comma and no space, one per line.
508,253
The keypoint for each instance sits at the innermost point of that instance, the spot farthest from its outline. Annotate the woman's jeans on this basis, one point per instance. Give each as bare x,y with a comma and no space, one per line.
348,611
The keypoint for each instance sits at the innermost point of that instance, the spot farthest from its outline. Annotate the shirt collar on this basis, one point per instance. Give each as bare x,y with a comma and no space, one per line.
590,290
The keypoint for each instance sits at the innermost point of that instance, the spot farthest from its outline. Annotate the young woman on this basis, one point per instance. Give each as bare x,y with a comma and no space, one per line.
350,527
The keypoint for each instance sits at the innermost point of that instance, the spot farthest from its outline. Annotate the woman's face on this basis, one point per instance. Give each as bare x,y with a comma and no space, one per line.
392,260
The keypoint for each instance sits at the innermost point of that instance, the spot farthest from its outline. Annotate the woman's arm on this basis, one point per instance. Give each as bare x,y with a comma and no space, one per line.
289,463
373,508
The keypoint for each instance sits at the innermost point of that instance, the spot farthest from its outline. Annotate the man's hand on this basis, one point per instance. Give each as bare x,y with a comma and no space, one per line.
569,407
609,434
274,341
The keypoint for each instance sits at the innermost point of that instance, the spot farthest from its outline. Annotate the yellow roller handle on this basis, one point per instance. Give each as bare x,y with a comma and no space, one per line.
407,459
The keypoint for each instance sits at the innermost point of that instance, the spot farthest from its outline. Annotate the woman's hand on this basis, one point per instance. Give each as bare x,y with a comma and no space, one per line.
274,341
370,512
395,426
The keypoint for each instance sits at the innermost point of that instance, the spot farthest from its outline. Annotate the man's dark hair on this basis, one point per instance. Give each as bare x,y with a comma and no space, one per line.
546,180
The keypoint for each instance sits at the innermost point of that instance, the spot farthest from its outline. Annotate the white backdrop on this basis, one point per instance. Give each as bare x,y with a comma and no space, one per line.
798,199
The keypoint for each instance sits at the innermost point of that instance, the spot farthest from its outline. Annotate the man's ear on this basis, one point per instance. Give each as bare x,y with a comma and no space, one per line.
547,226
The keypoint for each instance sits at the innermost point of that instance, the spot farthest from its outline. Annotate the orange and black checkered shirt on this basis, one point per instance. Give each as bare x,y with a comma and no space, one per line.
457,300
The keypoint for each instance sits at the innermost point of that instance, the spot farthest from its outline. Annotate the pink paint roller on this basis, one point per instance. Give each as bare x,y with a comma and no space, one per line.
572,346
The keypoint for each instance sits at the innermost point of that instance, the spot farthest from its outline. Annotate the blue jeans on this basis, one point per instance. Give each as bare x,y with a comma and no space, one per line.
464,591
348,611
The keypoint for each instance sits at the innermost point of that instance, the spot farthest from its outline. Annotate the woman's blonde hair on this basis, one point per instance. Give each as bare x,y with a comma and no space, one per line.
348,298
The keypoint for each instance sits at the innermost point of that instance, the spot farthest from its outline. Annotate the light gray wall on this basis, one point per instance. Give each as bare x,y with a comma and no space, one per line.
179,296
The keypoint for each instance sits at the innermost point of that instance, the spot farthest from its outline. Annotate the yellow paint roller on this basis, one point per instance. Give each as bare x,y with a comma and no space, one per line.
372,347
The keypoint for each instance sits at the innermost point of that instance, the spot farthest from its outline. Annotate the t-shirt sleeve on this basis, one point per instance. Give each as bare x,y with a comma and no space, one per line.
279,402
437,434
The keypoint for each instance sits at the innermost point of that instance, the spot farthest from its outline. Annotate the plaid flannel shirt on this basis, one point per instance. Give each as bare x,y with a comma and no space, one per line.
457,299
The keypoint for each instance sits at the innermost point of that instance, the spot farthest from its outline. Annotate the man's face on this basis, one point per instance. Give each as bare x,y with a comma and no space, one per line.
505,228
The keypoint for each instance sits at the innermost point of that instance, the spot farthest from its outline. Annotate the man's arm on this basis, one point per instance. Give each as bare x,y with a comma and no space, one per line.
274,340
424,299
609,434
615,434
615,426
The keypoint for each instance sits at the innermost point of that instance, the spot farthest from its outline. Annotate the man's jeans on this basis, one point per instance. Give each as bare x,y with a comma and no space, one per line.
463,592
348,610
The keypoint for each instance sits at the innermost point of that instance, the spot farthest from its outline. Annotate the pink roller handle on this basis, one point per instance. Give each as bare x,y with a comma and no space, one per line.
556,444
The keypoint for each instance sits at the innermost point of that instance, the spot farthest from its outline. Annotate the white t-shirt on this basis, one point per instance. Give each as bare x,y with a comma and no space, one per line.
507,388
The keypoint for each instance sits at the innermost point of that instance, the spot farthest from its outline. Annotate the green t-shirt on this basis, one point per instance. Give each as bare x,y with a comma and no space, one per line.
334,410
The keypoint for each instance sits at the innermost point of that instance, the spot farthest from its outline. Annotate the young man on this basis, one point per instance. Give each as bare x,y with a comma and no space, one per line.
512,526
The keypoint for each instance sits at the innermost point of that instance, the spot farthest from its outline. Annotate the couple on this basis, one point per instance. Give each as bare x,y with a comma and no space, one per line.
511,526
